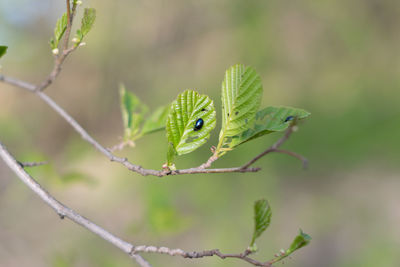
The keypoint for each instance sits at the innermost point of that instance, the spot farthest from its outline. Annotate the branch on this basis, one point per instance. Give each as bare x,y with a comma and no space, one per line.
59,60
206,253
63,211
139,169
295,155
18,83
274,148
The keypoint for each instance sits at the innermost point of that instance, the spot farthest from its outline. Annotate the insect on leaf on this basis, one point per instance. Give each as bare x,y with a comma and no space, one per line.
184,112
241,97
269,120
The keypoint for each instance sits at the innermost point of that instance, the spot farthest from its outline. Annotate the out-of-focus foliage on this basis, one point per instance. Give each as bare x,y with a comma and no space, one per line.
135,116
3,50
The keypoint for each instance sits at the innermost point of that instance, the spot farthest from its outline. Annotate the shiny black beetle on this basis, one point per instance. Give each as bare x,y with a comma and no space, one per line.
198,125
289,118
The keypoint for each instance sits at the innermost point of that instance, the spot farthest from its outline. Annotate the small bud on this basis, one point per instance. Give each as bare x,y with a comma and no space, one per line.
295,128
82,44
172,167
79,2
75,40
55,51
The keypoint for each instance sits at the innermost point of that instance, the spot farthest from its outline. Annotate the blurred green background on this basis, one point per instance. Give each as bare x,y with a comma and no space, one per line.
339,60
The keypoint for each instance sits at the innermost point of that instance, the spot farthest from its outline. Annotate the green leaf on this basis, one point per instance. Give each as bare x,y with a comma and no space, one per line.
183,114
76,177
269,120
79,35
156,121
133,112
262,218
3,50
301,240
88,19
241,97
59,30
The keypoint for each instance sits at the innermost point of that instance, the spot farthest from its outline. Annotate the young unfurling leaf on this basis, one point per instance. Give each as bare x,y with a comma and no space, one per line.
59,30
133,112
3,50
262,219
241,97
156,121
301,240
89,16
184,132
88,19
135,116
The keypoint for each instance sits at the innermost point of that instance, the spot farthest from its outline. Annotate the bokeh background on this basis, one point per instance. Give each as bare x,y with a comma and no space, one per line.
340,60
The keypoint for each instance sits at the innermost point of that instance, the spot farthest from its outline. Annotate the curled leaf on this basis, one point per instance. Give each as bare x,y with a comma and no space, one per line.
301,240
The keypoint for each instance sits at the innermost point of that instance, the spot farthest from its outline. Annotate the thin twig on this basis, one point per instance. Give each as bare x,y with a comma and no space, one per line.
272,148
32,164
120,146
293,154
63,211
58,62
70,17
18,83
